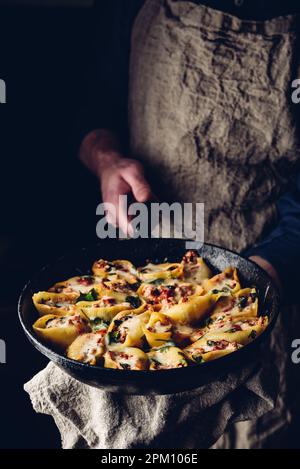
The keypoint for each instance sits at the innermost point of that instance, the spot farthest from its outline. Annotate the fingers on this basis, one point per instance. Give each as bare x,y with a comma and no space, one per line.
140,188
118,217
123,179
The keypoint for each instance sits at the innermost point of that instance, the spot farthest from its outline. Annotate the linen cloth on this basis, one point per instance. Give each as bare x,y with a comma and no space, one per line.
92,418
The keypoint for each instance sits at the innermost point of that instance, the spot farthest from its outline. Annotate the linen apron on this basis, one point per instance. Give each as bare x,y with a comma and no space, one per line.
211,117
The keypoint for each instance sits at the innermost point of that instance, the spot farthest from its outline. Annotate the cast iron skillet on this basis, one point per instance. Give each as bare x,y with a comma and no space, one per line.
139,251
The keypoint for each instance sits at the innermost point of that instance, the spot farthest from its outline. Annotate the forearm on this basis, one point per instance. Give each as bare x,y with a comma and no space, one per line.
99,149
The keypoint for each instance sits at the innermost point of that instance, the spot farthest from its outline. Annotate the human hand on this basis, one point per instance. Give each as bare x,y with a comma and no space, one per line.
122,176
100,151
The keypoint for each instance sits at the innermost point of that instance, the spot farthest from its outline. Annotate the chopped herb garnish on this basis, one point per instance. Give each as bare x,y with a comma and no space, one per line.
156,362
223,290
198,359
208,321
98,323
166,347
157,281
113,336
243,301
125,366
134,301
252,335
135,286
92,295
211,343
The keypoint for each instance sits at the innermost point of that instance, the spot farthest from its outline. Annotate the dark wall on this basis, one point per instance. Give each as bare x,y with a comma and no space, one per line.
47,199
45,55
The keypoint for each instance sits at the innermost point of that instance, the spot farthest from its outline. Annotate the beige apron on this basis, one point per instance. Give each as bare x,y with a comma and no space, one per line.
211,117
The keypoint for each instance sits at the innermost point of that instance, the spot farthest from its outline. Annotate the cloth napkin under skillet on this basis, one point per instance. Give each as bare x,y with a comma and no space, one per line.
91,418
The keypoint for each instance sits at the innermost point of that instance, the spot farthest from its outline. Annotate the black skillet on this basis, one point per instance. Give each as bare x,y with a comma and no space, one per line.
138,252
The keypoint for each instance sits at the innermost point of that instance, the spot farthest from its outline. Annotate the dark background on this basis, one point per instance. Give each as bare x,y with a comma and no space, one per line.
47,199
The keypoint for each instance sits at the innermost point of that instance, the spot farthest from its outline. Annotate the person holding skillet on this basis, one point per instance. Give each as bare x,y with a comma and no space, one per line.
208,89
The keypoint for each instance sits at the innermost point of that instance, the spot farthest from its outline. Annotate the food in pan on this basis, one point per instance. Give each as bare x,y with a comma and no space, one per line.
242,304
59,304
152,317
195,269
226,281
167,356
88,348
107,303
155,272
126,330
130,358
120,270
207,350
82,284
158,329
61,330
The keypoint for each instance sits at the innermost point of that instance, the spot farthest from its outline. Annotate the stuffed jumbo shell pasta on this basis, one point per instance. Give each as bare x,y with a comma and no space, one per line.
242,304
119,284
169,293
126,330
195,270
243,332
152,272
55,303
191,311
109,304
119,269
154,317
226,282
207,350
129,358
80,284
88,348
61,331
166,357
158,329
